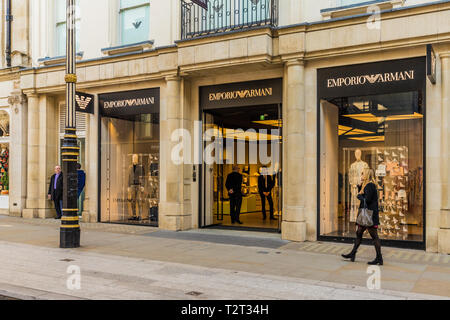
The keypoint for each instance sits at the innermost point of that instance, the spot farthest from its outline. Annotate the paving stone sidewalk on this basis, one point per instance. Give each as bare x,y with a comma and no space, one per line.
128,262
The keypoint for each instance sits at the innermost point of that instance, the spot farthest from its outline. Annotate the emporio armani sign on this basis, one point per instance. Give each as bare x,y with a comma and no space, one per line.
241,94
371,79
85,102
129,103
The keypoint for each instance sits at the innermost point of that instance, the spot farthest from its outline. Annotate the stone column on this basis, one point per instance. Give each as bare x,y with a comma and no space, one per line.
444,231
18,154
294,220
41,155
173,214
31,210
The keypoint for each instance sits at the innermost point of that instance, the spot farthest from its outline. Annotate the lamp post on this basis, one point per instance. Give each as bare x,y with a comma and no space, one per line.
70,225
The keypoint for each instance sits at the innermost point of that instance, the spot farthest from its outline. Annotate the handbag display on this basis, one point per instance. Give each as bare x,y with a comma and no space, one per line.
365,216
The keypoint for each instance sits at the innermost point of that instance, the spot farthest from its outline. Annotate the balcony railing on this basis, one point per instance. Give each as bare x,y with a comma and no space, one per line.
226,15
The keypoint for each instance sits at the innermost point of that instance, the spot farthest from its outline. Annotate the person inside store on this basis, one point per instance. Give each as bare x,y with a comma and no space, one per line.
234,185
81,185
368,197
266,183
55,191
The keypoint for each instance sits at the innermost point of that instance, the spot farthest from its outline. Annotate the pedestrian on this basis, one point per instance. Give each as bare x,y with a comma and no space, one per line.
81,185
234,186
55,191
368,194
266,183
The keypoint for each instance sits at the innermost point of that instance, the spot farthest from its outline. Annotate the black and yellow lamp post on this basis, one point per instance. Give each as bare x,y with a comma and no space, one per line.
70,225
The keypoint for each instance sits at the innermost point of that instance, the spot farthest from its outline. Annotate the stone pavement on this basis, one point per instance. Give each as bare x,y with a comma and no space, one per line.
128,262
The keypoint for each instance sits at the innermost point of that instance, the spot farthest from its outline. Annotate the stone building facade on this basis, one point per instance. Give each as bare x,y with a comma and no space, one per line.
308,40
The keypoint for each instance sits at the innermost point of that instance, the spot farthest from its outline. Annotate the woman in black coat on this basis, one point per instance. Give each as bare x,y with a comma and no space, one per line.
369,193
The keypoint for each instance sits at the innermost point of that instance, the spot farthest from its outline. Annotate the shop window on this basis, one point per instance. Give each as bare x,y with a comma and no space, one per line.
130,158
4,124
60,28
382,132
134,21
4,170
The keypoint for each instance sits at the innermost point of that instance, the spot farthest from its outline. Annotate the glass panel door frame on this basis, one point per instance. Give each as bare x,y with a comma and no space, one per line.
204,175
408,244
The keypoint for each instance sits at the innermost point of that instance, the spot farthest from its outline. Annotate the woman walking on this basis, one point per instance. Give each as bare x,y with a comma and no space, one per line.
368,194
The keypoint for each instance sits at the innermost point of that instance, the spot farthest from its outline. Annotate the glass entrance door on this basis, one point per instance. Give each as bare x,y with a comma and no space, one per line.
242,150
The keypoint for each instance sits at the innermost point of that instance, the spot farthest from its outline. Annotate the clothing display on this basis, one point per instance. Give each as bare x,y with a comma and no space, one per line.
4,168
355,171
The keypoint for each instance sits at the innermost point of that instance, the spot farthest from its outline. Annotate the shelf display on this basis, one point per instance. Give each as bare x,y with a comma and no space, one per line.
399,187
393,182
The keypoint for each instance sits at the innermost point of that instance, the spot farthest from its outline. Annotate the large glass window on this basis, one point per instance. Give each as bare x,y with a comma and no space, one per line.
60,30
134,21
382,132
130,169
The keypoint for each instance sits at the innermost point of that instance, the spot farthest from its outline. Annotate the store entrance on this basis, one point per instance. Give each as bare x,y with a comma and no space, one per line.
247,140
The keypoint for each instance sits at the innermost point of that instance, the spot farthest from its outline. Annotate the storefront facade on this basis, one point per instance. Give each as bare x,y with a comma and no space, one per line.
372,116
330,85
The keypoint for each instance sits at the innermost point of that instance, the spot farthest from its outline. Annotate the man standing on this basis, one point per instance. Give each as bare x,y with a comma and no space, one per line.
55,191
234,185
266,184
81,184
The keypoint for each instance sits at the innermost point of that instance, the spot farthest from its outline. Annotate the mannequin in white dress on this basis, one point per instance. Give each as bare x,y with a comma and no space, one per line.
354,177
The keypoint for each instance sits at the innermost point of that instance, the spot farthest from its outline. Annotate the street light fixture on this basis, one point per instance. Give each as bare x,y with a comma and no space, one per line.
70,224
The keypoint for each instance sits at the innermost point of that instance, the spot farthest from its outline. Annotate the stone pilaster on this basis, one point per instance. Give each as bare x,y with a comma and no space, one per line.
294,220
90,207
41,155
173,213
18,153
444,231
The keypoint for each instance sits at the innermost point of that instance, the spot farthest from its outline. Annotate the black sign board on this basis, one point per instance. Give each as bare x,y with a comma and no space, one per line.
129,103
84,102
372,78
242,94
431,64
201,3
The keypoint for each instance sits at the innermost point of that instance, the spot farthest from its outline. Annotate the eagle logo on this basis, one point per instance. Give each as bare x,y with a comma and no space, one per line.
373,78
82,102
137,24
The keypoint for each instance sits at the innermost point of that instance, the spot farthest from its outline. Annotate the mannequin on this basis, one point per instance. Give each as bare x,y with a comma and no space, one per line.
136,186
354,176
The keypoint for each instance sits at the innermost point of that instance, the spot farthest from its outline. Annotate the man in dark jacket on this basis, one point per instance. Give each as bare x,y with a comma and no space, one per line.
234,185
266,183
55,191
81,185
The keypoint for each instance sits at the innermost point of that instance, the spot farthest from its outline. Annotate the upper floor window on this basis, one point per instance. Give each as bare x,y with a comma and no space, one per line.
134,21
60,34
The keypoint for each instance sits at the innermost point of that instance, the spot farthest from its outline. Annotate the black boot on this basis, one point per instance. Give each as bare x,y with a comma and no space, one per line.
351,256
377,261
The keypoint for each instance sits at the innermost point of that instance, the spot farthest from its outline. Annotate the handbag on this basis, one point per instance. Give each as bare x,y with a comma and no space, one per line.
365,216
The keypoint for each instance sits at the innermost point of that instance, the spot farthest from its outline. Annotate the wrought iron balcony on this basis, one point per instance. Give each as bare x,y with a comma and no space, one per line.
226,15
